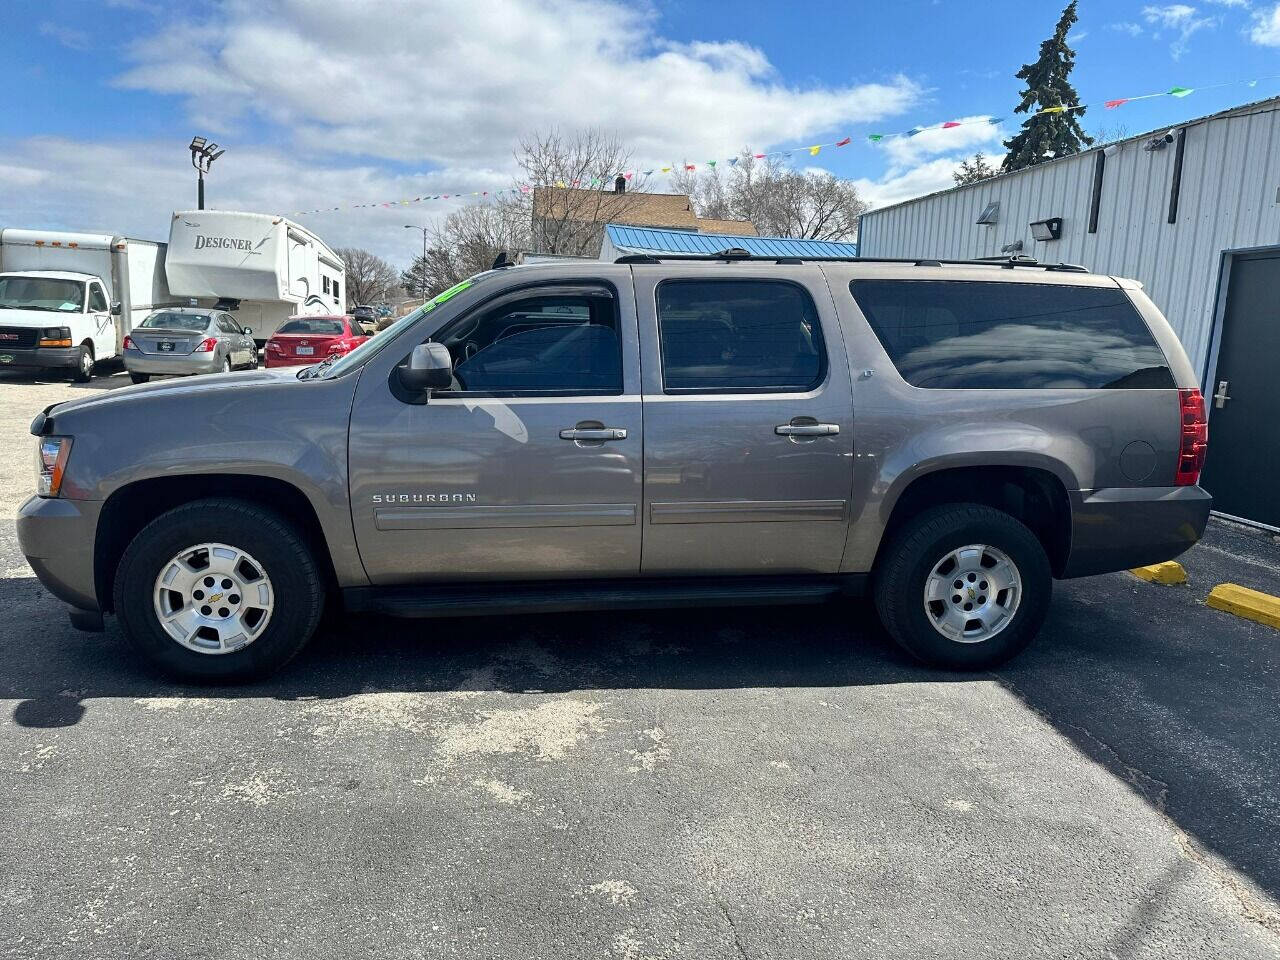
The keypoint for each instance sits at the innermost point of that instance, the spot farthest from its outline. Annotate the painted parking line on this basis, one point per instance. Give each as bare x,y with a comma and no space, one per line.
1170,572
1243,602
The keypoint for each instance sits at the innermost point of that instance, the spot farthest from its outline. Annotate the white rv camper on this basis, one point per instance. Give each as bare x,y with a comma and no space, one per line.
70,298
263,267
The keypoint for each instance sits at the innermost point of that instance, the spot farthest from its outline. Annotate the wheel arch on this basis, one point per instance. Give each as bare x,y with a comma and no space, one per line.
1032,492
134,505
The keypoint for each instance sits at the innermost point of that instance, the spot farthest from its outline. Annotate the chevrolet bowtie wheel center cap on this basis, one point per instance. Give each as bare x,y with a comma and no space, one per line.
972,593
213,598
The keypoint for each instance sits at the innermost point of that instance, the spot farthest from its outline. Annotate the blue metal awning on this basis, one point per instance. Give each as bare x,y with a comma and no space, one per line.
646,240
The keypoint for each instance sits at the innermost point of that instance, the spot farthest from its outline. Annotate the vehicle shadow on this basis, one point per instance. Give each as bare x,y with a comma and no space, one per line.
1176,700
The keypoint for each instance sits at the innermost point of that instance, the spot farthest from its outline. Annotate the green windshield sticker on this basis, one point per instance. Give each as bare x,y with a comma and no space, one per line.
440,298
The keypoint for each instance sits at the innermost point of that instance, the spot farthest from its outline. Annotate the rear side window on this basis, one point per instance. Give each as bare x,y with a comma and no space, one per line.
738,336
970,334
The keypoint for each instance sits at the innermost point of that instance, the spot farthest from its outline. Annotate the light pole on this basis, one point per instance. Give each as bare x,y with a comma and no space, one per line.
203,154
423,274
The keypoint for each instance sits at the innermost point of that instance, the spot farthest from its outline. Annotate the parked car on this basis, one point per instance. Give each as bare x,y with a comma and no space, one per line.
366,315
182,341
310,339
948,437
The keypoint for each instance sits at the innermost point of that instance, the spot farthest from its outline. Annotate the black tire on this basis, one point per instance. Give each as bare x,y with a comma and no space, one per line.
271,540
139,377
226,365
910,557
83,371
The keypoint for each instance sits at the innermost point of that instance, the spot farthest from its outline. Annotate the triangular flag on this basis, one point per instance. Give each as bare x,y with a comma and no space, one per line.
914,130
994,120
666,169
733,161
1112,104
648,172
691,166
813,151
1057,109
844,142
758,156
950,123
875,137
627,175
711,163
559,183
1181,91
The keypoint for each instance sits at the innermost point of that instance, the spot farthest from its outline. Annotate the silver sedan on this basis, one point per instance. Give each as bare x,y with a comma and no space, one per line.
181,341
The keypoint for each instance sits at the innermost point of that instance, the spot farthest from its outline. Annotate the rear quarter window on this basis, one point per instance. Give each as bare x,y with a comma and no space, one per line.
983,335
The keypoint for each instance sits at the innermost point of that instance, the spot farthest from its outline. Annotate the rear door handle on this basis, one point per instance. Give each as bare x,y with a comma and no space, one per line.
807,429
594,433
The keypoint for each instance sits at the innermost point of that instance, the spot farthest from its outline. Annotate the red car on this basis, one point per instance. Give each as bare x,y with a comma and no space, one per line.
311,339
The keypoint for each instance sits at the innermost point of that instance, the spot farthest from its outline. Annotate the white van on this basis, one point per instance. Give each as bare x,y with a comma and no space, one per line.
68,299
263,267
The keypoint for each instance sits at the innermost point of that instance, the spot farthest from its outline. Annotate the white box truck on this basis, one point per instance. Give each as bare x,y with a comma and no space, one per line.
263,267
68,299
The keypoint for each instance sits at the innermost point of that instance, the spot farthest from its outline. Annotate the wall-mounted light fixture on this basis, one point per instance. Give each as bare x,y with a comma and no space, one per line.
989,214
1050,229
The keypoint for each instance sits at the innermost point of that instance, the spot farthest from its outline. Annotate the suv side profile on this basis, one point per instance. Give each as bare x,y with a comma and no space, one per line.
950,437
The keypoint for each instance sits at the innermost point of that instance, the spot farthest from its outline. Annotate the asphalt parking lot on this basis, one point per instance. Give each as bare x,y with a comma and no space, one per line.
723,783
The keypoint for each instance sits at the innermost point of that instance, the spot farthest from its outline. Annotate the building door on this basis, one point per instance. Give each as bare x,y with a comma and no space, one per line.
1243,467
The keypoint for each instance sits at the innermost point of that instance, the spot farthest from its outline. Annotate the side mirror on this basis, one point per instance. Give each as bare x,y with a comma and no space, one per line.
246,331
116,308
428,368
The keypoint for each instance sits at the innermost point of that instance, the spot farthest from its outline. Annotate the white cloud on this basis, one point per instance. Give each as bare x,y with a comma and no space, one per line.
924,179
1244,4
973,133
452,84
133,187
1126,26
69,37
1181,18
1266,27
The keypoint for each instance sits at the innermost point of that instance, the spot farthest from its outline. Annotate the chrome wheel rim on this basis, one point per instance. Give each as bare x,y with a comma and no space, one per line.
86,362
972,593
213,598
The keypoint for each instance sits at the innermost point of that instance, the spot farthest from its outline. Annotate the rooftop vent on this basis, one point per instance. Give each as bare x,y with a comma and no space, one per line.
619,184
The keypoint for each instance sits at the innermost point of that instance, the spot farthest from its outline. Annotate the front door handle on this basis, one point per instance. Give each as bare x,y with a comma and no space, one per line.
593,433
807,429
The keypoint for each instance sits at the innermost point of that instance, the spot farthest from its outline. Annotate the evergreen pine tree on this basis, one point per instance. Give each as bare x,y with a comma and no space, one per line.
1047,136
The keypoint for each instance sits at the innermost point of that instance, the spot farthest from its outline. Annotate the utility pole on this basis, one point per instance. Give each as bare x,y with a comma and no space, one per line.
203,153
423,274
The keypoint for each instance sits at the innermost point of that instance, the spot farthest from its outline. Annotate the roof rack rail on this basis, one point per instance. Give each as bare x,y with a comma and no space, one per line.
735,254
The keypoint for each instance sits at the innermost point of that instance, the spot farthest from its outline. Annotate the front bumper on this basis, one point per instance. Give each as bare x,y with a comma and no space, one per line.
170,365
1123,527
57,536
42,357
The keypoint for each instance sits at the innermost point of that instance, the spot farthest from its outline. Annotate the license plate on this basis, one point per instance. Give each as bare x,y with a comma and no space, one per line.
166,345
305,351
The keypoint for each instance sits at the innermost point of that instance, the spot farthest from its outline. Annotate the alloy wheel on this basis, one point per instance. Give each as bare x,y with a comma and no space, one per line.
213,598
972,593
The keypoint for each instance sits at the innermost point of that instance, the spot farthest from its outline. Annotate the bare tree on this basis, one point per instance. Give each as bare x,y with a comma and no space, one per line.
466,242
973,170
780,200
1110,134
370,279
572,181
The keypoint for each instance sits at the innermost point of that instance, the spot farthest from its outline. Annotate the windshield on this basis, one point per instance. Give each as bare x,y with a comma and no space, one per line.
325,325
371,347
177,321
41,293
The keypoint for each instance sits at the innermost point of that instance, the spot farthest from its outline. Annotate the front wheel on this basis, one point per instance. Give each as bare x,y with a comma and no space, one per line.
83,371
139,377
218,590
963,586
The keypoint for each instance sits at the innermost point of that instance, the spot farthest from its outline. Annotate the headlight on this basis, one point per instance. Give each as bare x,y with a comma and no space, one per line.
51,464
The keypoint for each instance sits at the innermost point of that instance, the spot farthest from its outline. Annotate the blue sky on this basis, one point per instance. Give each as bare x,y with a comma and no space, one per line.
341,102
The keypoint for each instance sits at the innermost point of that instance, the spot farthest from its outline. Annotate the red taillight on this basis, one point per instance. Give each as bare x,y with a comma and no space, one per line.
341,346
206,345
128,343
273,347
1195,438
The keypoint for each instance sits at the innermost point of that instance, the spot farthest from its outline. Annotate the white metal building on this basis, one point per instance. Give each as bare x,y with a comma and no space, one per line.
1193,213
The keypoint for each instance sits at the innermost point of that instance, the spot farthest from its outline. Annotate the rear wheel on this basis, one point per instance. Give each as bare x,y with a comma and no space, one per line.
963,586
218,590
83,371
139,377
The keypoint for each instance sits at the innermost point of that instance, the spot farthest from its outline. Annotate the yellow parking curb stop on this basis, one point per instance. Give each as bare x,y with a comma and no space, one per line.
1170,572
1243,602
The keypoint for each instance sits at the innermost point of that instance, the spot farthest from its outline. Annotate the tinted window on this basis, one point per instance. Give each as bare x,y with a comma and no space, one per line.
325,326
538,344
1011,335
177,321
97,299
738,336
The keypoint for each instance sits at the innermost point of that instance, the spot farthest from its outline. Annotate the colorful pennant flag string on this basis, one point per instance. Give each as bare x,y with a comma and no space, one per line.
813,150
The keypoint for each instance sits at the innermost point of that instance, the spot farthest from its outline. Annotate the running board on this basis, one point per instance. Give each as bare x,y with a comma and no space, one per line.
554,596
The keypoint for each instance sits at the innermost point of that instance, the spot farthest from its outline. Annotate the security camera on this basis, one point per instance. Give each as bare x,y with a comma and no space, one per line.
1160,141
